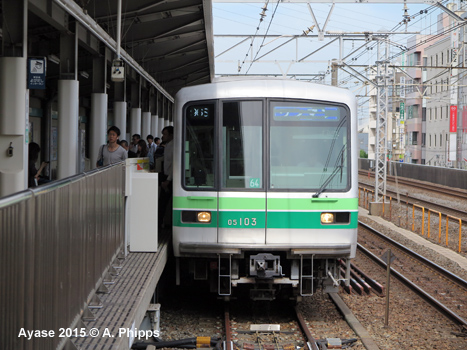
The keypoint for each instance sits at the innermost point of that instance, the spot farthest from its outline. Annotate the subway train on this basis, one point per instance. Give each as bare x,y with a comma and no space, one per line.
265,196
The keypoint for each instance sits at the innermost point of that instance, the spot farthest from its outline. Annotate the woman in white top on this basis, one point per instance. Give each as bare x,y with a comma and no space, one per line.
112,152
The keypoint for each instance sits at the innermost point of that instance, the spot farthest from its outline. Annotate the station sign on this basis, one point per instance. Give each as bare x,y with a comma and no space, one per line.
36,73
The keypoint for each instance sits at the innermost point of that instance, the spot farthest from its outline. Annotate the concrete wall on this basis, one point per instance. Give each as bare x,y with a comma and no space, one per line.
438,175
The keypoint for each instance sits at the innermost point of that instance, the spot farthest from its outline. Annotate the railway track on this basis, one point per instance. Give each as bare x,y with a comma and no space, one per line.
408,200
287,329
442,289
454,192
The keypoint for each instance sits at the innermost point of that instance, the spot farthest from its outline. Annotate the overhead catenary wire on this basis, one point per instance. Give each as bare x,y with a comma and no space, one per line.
429,10
430,38
262,15
264,37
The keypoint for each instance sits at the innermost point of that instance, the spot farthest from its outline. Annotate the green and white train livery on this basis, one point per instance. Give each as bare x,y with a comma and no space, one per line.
265,186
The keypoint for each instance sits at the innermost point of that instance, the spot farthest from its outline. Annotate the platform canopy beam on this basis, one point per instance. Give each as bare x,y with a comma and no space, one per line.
427,2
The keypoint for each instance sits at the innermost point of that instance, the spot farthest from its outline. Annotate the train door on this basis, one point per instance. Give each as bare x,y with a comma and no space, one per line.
242,199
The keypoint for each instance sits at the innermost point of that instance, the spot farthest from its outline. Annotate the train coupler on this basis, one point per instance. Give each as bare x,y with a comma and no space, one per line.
265,265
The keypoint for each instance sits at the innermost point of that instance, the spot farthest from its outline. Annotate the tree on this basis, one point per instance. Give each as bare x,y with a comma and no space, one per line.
363,154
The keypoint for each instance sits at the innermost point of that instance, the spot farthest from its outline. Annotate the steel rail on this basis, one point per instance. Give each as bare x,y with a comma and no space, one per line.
310,339
441,270
419,291
228,331
422,185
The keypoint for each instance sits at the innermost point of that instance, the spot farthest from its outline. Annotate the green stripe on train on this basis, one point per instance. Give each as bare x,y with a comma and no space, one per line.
276,220
305,220
331,204
245,203
195,202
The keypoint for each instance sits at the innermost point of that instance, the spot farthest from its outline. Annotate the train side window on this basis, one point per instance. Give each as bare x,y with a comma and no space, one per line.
199,146
242,145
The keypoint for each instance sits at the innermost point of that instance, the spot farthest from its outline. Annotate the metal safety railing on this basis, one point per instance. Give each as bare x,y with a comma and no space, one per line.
57,243
447,216
366,195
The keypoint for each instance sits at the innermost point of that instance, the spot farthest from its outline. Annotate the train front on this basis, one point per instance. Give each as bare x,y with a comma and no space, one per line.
266,198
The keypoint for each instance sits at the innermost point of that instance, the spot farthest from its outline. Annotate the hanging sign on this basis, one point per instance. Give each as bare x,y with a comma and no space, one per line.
36,73
453,119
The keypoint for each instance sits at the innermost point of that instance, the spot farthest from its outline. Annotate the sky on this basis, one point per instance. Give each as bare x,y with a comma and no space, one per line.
293,19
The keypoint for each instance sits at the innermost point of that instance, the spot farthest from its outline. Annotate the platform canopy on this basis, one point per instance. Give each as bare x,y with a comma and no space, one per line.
170,39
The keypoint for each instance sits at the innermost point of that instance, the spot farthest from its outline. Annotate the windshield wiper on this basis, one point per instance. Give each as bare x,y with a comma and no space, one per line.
328,180
330,177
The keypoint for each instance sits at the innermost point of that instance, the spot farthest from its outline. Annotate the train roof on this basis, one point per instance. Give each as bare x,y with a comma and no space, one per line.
258,87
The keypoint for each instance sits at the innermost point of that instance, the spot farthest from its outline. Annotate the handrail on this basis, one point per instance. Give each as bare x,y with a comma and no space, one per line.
28,193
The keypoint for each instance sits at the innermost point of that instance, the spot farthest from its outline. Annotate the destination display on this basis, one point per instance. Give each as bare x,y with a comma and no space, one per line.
303,113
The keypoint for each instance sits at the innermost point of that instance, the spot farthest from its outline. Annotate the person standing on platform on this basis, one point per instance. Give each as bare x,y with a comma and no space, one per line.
33,174
112,152
157,141
124,144
142,149
134,143
151,150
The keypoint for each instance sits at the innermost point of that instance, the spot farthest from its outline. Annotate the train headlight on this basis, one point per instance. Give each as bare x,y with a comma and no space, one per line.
327,218
204,216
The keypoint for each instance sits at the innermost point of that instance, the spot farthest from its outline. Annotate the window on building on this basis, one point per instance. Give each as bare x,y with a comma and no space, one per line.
423,139
414,138
423,114
436,113
409,88
447,112
430,140
440,140
442,58
435,140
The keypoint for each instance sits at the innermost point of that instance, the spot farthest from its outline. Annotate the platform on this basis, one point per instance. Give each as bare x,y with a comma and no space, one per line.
125,305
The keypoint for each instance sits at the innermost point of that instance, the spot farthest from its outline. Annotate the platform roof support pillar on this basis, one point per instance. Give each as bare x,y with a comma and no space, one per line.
68,107
99,108
14,98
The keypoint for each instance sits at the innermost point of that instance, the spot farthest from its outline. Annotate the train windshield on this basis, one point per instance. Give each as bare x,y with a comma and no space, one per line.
199,146
309,146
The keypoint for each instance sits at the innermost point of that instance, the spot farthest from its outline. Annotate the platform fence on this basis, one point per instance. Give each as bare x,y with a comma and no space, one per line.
57,243
420,220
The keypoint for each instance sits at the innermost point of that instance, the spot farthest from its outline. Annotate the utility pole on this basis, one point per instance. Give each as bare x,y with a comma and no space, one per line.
381,123
460,101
